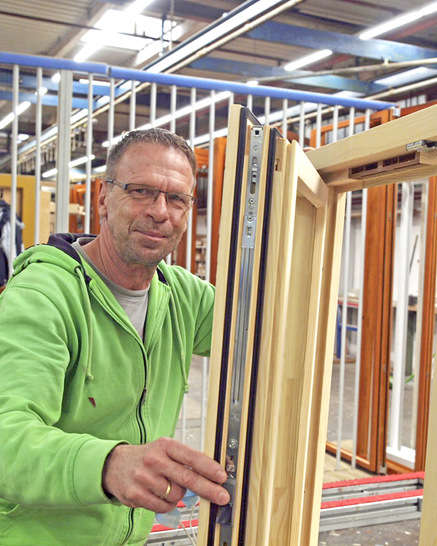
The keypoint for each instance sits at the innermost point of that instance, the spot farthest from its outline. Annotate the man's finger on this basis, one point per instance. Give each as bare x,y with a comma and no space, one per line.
189,478
197,461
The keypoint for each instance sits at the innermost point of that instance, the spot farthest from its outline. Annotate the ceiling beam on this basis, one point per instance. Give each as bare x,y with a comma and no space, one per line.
257,71
272,31
69,40
340,83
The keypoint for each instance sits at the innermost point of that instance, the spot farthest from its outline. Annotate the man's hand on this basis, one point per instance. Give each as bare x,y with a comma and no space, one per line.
140,476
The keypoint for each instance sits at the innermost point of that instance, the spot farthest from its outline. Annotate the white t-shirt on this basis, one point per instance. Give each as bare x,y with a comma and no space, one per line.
134,302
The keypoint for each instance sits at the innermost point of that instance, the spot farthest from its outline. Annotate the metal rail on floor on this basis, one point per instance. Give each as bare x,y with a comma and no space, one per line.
346,504
368,501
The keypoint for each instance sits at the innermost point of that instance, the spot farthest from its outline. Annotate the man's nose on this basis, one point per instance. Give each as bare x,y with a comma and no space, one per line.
159,208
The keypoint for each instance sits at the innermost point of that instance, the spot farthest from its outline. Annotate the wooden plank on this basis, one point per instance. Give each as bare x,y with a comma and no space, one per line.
277,482
266,437
296,349
377,324
219,167
251,332
428,527
427,330
299,348
323,365
216,443
334,160
261,465
309,239
310,184
224,254
383,388
344,182
287,384
25,203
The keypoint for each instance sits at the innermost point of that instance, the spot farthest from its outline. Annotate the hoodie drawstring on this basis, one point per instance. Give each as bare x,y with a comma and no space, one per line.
87,308
181,345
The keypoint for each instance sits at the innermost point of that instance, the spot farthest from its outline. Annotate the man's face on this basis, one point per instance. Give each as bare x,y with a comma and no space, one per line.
145,234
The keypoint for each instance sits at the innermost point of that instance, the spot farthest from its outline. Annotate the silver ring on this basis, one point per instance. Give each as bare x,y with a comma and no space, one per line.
167,491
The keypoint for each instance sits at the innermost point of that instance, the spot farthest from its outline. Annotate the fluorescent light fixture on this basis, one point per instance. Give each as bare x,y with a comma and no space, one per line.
22,137
86,52
80,114
155,47
74,163
308,59
406,77
219,30
7,120
124,30
42,91
399,21
80,161
56,78
137,7
10,117
252,83
50,173
23,107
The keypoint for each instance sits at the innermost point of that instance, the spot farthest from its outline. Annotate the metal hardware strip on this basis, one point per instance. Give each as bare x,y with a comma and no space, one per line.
225,515
247,119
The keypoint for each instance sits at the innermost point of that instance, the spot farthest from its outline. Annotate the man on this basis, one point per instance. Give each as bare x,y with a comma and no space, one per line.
96,341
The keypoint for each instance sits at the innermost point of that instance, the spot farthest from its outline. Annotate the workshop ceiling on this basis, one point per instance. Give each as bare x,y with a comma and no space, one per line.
257,50
55,28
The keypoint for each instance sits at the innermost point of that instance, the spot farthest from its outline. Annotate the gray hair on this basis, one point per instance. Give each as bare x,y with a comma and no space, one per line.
143,136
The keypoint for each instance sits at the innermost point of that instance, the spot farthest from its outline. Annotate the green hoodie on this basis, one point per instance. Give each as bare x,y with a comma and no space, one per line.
76,380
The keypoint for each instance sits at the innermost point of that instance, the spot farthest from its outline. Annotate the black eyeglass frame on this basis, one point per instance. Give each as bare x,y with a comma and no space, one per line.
157,191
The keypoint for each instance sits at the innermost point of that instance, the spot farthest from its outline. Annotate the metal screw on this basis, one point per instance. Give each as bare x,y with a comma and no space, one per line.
233,444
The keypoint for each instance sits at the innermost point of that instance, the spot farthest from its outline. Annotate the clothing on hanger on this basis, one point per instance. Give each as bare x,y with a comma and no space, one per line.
8,255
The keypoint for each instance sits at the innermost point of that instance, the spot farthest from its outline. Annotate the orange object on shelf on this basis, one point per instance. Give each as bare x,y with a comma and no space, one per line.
77,196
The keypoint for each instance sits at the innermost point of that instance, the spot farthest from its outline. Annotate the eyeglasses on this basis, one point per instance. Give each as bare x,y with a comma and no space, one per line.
176,201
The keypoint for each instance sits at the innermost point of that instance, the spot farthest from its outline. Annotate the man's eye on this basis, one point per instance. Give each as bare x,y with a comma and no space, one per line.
176,198
141,192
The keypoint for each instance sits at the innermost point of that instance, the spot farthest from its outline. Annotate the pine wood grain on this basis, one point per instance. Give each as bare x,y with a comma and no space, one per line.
385,141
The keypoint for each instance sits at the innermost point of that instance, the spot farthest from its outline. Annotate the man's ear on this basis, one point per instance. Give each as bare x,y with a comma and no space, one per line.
103,195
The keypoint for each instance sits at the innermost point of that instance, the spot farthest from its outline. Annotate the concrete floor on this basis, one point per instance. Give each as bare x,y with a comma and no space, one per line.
405,533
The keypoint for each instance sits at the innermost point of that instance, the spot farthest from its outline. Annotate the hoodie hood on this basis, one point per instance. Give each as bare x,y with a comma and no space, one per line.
70,260
48,253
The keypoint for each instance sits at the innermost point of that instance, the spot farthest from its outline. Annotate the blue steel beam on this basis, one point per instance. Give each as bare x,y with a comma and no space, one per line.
53,63
187,81
241,88
339,43
47,100
252,70
183,81
29,82
238,68
340,83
